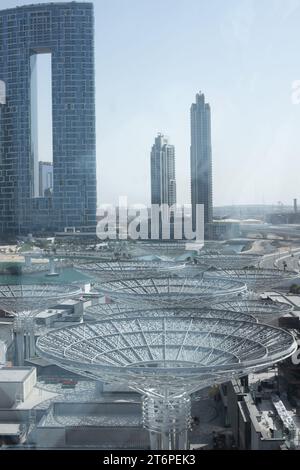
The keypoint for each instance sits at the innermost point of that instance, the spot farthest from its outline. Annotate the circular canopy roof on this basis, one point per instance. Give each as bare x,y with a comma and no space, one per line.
169,291
28,300
255,307
120,310
178,355
266,312
256,278
127,269
227,261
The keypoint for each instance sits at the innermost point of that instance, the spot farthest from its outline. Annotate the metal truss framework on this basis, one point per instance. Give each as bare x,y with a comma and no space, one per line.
255,307
127,269
255,278
172,290
22,300
266,312
120,310
227,261
167,359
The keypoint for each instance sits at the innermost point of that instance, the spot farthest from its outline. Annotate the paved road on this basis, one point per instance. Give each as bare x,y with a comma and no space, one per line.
277,260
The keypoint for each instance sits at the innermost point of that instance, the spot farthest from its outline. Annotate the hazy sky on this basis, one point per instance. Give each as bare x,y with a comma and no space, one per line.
153,56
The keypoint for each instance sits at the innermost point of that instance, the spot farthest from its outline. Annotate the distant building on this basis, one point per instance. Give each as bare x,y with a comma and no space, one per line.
260,413
284,215
251,211
201,159
45,179
96,425
66,32
224,229
163,182
283,218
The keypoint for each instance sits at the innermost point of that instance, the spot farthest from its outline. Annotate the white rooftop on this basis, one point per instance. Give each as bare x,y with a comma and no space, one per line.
9,429
50,313
14,374
35,398
69,302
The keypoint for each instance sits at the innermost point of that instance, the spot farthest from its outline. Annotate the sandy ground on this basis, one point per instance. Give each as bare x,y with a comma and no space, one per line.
262,247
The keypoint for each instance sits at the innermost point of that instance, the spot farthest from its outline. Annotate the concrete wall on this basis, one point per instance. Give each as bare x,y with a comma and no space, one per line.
257,443
53,437
233,399
29,383
3,351
105,437
125,438
14,416
244,428
8,393
100,408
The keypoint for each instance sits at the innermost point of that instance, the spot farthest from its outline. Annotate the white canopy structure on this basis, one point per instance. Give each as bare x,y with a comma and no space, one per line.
111,270
256,279
171,290
227,261
24,302
264,311
114,310
166,359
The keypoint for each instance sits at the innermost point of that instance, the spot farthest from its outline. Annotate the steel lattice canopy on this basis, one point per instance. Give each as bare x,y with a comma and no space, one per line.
257,278
255,307
170,291
266,312
127,269
28,300
179,354
227,261
118,310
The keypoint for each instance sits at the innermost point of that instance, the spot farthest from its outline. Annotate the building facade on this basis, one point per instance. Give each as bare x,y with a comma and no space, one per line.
201,158
163,181
66,31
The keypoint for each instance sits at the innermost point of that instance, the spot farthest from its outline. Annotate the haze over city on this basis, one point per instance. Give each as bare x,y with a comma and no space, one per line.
151,60
149,327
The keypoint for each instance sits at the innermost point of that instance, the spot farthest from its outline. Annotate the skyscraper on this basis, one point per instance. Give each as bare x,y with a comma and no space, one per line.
163,182
64,31
201,158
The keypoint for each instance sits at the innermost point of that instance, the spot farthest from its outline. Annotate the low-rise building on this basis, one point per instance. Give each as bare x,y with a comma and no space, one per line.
260,414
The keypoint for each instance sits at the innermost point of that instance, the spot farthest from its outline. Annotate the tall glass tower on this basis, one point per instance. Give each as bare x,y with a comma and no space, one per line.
201,158
163,182
64,31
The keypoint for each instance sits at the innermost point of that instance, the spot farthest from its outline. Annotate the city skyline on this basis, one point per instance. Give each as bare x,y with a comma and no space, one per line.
226,49
150,294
